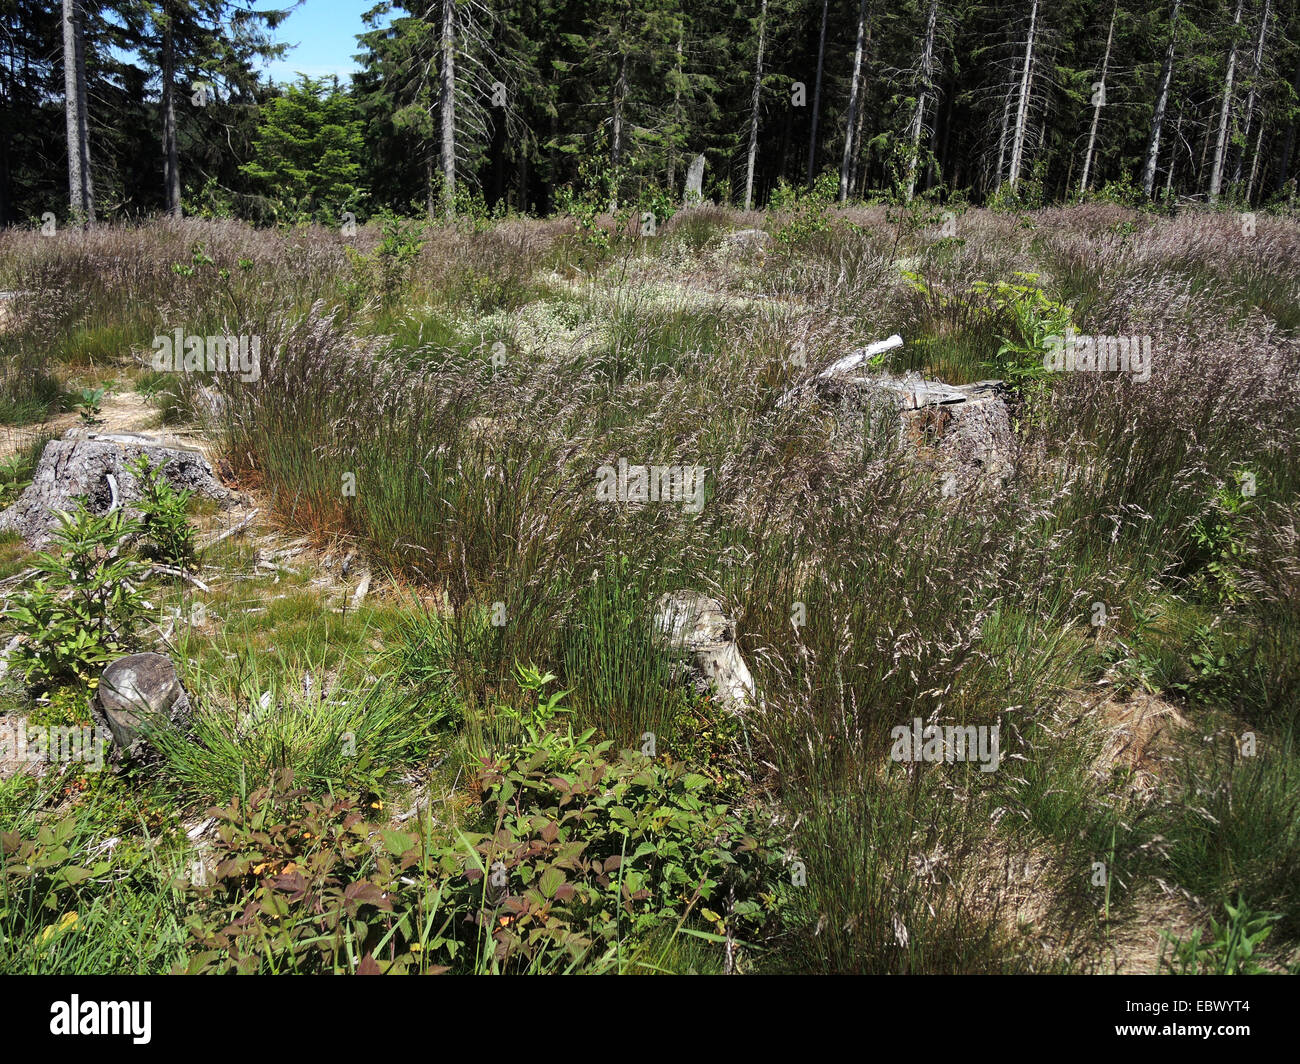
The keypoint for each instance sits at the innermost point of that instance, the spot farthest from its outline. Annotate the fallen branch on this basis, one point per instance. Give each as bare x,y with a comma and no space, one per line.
167,570
18,578
359,595
233,530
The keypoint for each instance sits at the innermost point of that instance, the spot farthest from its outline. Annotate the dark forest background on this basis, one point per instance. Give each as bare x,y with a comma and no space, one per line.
131,107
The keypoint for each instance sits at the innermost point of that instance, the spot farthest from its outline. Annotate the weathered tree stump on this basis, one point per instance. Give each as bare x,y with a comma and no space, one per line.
139,692
693,624
963,431
96,466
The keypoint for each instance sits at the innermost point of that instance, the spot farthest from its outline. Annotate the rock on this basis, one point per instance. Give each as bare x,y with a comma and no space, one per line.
690,623
138,690
95,465
694,183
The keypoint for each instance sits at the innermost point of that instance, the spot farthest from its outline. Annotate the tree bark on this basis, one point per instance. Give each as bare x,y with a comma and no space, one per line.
927,81
171,158
817,99
447,106
1022,100
1173,154
80,186
1096,107
755,98
1254,162
1255,66
620,96
1162,103
1225,112
855,89
677,115
1002,142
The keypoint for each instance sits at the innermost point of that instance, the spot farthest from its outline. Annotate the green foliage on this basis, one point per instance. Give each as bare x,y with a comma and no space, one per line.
592,195
307,151
295,885
1233,948
16,470
586,850
1031,321
1218,542
385,272
86,607
583,858
90,406
165,531
805,211
535,722
42,878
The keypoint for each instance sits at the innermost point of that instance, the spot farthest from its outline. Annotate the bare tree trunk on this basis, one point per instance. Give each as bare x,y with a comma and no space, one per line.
1251,96
1173,154
1162,103
83,124
620,96
817,99
857,172
1288,146
855,89
677,115
1022,101
430,173
171,158
447,106
80,186
1254,162
1225,111
1100,98
926,71
753,108
1002,142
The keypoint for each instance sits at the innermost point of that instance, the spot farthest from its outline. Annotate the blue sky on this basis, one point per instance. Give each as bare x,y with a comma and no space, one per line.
324,32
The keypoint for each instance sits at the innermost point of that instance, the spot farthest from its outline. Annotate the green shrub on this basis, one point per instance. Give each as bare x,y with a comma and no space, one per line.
582,859
87,606
806,211
41,879
166,533
1232,949
294,885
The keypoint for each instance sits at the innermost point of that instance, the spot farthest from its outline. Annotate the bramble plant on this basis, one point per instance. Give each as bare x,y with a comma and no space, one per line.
583,858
